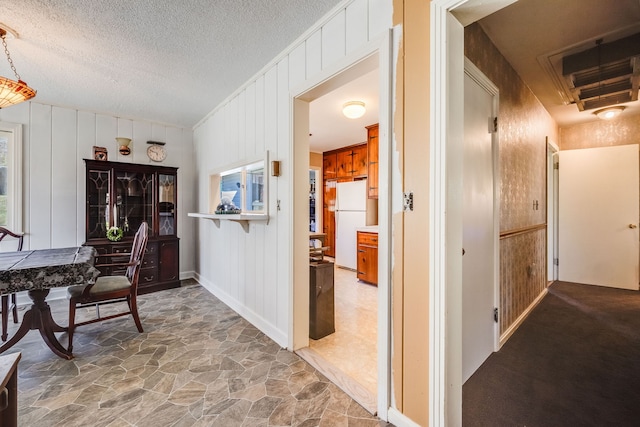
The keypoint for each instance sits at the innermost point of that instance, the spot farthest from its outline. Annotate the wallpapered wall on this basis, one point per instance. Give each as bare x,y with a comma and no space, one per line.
523,126
623,130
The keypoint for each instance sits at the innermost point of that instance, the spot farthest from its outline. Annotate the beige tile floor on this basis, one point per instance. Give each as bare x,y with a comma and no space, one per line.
197,363
353,347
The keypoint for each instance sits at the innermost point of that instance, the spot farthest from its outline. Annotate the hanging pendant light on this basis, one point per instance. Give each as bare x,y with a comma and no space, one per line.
12,91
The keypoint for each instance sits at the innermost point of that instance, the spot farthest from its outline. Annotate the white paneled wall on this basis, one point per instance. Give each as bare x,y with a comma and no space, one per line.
55,142
252,271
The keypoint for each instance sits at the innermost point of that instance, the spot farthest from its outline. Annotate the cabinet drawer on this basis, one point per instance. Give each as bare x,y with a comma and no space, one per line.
370,239
147,275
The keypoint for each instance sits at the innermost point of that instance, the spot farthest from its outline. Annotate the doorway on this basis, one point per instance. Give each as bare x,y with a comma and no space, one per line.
598,220
447,21
367,61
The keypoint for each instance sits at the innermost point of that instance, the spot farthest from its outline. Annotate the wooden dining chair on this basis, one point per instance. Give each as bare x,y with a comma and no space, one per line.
4,232
110,289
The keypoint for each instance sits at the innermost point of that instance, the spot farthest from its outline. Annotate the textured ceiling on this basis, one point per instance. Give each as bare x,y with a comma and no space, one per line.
162,60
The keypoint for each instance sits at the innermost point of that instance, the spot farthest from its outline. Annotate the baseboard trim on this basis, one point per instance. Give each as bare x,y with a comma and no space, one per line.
252,317
515,325
399,419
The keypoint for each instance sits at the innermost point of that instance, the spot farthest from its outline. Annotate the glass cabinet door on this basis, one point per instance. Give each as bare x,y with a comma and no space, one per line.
134,202
98,204
167,205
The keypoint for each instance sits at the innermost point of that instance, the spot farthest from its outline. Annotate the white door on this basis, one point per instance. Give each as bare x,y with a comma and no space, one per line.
598,218
479,232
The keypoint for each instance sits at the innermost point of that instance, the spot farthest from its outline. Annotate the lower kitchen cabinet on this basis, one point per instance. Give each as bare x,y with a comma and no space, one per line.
367,266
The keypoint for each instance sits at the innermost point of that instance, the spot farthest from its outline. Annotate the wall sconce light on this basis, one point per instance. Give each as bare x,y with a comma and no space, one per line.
275,168
124,146
353,109
609,112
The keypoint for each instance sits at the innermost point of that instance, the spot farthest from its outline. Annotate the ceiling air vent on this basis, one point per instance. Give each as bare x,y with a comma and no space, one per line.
606,74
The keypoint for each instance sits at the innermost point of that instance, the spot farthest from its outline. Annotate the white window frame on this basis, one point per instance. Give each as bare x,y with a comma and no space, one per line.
14,176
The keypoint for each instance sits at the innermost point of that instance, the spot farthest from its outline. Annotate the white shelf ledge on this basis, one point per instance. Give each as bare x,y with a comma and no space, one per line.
243,219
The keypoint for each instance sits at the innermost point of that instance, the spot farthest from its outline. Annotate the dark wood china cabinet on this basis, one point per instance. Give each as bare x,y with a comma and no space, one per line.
125,195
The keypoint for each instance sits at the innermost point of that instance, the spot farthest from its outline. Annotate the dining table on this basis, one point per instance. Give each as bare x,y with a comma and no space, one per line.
37,272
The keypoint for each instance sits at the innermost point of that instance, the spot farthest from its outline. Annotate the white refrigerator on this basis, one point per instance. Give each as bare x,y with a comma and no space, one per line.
351,214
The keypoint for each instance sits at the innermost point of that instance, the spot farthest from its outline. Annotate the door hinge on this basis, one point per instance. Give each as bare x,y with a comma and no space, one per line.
407,204
495,314
556,262
556,165
493,125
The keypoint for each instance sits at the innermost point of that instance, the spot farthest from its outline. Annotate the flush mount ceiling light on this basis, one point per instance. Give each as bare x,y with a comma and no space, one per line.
12,91
609,112
353,109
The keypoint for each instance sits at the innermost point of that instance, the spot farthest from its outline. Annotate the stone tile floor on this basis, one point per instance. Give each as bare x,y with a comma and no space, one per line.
197,363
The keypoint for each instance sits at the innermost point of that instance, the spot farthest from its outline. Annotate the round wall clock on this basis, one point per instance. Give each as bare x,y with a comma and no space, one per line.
157,153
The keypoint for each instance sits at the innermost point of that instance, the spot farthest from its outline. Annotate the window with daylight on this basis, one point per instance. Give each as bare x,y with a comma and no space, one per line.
243,186
11,176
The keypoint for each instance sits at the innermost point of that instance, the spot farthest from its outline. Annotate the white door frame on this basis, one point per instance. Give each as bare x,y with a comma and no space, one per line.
445,240
377,53
552,210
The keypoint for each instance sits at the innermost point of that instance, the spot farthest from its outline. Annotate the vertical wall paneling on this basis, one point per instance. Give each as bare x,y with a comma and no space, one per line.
40,177
285,187
173,144
86,135
250,120
380,16
272,258
141,134
242,154
297,66
314,53
260,112
242,125
356,26
63,177
106,130
250,248
333,40
16,114
260,145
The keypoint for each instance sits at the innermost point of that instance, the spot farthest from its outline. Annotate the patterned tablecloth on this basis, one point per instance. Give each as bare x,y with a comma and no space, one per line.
46,268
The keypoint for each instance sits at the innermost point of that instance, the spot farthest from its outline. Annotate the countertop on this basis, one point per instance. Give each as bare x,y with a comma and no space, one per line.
368,229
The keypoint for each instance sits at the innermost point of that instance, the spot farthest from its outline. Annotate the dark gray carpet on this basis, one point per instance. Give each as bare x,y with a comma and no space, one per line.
575,361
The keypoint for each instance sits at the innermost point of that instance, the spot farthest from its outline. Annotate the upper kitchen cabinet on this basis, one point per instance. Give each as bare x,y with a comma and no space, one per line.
329,164
124,195
352,161
372,154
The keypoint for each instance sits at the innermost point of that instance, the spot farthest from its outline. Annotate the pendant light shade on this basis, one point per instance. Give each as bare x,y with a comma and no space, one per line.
12,91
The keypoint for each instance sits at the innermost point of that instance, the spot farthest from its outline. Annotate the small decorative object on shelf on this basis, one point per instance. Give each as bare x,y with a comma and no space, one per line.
124,146
114,234
226,206
99,153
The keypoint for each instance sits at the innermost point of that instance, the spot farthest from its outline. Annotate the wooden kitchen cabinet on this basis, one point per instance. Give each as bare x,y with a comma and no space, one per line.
372,155
341,165
352,161
329,164
125,195
367,265
329,216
